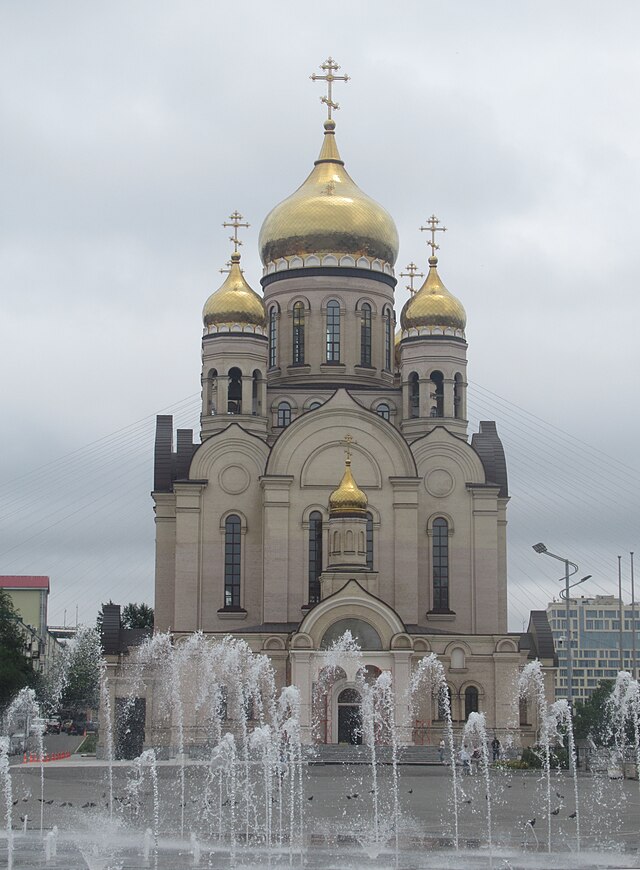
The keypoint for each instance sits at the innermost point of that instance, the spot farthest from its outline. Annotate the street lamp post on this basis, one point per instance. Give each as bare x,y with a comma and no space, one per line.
541,548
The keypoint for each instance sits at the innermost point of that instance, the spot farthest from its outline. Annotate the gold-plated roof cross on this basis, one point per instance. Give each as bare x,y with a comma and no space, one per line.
411,273
330,67
235,221
348,441
433,228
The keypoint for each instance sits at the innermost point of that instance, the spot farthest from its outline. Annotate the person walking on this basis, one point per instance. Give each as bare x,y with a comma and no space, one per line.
441,748
465,760
495,748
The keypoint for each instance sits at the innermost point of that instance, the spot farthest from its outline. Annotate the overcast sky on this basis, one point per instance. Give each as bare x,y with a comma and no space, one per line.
131,130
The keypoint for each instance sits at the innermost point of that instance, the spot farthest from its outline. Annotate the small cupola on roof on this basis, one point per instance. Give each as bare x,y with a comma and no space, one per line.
234,307
348,500
328,221
433,309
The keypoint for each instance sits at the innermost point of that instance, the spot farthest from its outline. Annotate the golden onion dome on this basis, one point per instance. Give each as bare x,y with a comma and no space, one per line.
329,214
396,347
235,302
347,499
433,306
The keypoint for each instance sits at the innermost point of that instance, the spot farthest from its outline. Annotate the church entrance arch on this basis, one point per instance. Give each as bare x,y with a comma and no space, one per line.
350,717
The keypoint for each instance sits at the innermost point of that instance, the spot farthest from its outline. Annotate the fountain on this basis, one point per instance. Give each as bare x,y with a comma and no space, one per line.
225,780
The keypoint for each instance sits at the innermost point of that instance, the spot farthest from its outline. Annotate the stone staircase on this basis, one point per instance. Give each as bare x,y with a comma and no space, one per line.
342,753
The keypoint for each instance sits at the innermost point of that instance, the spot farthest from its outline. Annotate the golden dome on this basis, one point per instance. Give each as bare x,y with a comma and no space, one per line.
329,214
235,302
433,306
396,347
347,499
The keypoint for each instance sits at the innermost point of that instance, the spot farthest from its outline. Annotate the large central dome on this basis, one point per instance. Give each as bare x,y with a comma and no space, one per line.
329,214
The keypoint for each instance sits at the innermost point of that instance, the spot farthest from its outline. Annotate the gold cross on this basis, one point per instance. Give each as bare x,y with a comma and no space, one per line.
349,441
235,222
411,273
330,67
433,228
228,267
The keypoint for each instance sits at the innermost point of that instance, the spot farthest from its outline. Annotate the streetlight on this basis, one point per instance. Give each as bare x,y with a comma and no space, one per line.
541,548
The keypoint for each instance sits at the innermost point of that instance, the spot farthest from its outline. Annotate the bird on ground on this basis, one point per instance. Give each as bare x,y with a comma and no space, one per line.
558,795
355,795
348,797
531,822
372,791
555,812
467,801
22,818
410,791
84,806
573,815
24,800
310,798
15,802
49,802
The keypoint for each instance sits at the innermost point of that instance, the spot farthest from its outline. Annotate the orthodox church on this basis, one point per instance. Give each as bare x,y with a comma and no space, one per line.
335,485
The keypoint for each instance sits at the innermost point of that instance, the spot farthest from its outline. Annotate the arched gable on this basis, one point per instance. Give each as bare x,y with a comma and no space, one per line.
231,448
380,449
440,444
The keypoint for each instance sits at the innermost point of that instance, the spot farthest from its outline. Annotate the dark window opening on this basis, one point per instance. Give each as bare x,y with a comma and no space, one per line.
284,414
315,556
440,564
234,392
370,541
273,336
384,411
457,395
298,333
414,395
387,340
365,336
437,395
232,555
470,701
333,331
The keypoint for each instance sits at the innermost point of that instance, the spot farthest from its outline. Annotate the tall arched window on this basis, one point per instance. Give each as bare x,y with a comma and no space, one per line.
234,391
284,414
273,336
212,385
383,410
387,340
298,334
315,556
457,395
333,331
232,555
440,564
365,335
414,395
255,392
437,395
470,701
369,541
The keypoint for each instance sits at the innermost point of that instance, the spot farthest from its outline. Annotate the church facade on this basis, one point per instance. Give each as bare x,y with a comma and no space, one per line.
334,484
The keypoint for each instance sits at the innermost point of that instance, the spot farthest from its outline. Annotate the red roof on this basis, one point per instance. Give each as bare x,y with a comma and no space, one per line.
23,582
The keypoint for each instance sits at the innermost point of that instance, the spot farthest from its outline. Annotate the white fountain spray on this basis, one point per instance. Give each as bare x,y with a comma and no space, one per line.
5,778
475,734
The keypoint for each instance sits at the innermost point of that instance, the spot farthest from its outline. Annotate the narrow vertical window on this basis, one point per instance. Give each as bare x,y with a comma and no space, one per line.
437,395
298,334
470,701
232,545
234,391
387,340
365,335
255,392
440,564
315,556
273,336
284,414
457,395
414,395
370,541
213,390
333,332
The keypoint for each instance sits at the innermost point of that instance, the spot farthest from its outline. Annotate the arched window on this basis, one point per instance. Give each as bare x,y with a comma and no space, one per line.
470,701
298,334
440,564
315,405
365,335
333,331
414,395
255,392
364,634
457,657
212,378
315,556
234,392
457,395
387,340
437,395
383,410
370,541
273,336
284,414
232,544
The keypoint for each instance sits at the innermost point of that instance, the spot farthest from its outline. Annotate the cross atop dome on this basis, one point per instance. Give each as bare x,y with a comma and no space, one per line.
235,221
433,228
348,440
330,67
411,273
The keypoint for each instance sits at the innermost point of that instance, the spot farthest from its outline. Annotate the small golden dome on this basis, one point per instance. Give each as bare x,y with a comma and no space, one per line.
235,302
329,214
347,499
433,306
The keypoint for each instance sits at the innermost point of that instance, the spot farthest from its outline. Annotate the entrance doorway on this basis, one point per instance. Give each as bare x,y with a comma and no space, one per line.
349,717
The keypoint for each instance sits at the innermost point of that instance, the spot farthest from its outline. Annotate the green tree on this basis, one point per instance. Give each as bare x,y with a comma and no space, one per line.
16,671
137,616
81,687
591,718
